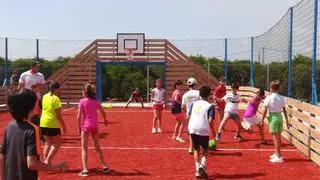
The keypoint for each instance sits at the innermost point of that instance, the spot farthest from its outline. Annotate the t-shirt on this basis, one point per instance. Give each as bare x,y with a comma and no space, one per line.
189,98
136,95
21,139
232,102
158,95
29,79
49,117
89,109
274,102
252,109
220,92
175,105
199,118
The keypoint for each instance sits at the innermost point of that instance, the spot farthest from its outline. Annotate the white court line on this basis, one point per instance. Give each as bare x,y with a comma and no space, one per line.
68,109
147,148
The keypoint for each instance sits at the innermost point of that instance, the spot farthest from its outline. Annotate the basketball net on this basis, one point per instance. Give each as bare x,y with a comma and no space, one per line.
129,53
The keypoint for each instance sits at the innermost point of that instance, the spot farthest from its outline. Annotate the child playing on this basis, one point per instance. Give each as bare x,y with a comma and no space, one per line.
158,99
176,111
250,116
232,102
135,97
50,122
20,151
37,110
88,124
200,128
187,101
275,103
220,92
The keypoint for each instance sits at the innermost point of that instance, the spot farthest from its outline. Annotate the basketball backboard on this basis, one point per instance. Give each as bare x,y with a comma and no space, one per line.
134,41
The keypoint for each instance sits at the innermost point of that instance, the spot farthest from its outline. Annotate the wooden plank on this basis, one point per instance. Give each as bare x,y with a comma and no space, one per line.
175,73
300,115
315,157
105,40
78,78
315,134
315,145
304,149
298,125
125,59
311,109
155,40
315,121
300,136
84,68
287,136
71,96
107,54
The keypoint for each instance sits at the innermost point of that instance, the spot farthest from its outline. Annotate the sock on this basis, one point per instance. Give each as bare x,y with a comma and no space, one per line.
197,166
203,161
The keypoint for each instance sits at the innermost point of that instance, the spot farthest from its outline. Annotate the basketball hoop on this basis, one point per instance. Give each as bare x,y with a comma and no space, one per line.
129,53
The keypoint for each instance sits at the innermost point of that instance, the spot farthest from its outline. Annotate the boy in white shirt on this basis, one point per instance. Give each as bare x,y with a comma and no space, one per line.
275,103
200,128
187,101
231,110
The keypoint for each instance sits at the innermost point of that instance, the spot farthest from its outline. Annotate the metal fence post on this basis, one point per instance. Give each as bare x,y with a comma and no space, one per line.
251,65
314,97
6,63
289,93
226,58
37,44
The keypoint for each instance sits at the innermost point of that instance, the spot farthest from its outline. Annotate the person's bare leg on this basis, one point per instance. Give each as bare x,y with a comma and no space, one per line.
96,141
54,148
84,151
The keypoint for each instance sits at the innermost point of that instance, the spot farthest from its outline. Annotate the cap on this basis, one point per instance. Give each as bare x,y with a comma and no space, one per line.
192,81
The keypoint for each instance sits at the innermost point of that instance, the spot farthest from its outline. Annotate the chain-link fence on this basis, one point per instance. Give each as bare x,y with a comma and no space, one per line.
288,51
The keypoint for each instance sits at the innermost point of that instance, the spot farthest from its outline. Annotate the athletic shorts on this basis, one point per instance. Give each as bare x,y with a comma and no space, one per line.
275,122
90,129
50,131
179,116
198,141
158,107
233,116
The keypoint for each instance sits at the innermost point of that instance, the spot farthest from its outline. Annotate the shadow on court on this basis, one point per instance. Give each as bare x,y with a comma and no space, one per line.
236,176
220,153
98,172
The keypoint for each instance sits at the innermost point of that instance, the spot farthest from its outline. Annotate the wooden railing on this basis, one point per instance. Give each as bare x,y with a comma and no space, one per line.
304,118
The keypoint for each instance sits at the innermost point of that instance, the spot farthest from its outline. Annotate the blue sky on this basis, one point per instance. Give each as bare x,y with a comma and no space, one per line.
172,19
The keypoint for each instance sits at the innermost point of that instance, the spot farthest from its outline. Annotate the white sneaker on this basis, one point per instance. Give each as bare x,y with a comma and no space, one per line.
272,156
180,139
159,130
154,130
276,160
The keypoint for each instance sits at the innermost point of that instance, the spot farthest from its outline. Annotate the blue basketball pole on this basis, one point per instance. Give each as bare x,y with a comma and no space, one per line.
314,96
289,93
251,64
99,80
226,58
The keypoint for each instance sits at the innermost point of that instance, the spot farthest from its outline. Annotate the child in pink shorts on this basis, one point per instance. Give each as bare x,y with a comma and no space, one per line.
158,100
176,111
88,124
